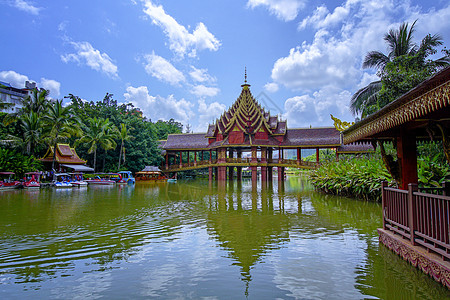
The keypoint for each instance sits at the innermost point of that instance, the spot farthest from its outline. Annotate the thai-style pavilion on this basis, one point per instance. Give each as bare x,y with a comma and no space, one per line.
66,159
415,222
246,127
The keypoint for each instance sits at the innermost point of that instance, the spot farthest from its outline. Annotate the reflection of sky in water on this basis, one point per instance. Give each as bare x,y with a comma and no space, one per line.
193,241
319,268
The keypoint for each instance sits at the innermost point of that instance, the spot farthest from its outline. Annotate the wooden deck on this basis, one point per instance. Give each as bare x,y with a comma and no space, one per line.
416,226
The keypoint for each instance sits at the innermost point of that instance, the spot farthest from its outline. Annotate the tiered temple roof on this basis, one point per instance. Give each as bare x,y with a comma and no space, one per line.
64,155
246,123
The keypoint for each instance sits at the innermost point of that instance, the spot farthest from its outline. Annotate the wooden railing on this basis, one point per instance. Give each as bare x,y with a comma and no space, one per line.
288,162
420,217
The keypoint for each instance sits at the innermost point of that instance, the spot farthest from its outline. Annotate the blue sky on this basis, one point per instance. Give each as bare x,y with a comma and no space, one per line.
185,59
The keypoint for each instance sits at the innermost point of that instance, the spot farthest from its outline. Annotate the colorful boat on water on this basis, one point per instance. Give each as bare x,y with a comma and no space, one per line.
150,173
62,181
100,179
77,180
127,176
7,181
32,180
118,178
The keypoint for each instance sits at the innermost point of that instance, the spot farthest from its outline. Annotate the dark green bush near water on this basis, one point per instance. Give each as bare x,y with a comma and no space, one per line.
357,177
361,177
18,163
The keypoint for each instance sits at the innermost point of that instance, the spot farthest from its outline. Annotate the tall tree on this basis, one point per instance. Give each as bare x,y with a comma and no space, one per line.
400,44
124,136
32,131
36,102
96,134
61,123
111,133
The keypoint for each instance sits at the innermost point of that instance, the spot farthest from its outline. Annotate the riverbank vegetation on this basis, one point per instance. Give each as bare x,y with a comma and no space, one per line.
111,136
360,176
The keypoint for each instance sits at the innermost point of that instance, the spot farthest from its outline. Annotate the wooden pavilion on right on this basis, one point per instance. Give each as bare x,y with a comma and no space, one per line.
415,223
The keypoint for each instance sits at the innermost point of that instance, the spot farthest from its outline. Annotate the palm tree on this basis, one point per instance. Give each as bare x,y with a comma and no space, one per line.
124,136
36,102
31,133
400,42
96,134
111,133
60,123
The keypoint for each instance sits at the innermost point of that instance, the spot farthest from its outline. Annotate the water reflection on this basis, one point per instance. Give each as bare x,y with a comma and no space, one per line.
196,239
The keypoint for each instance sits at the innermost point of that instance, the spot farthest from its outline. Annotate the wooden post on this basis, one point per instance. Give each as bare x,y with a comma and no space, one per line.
230,173
195,158
167,160
263,174
446,188
210,171
412,218
254,155
181,159
210,155
299,155
407,154
239,173
254,174
383,202
188,157
317,155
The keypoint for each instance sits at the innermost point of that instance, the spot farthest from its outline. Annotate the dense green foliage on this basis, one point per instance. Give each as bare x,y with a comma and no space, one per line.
361,176
18,163
42,123
358,177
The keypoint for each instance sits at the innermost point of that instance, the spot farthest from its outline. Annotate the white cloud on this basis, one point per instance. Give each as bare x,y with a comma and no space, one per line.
157,107
204,91
315,109
271,87
18,81
163,70
201,75
26,7
322,18
180,40
86,54
52,86
207,114
343,38
13,78
285,10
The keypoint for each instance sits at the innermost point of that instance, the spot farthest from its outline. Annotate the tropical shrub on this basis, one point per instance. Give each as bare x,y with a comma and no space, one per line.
18,163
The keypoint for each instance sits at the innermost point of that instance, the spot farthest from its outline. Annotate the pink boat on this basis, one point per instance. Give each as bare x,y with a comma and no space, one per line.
97,180
33,180
7,183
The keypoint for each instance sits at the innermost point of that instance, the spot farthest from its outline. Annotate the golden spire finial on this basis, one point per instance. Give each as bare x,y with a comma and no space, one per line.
245,79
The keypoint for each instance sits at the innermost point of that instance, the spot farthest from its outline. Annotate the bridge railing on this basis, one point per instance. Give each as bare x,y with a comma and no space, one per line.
247,160
420,217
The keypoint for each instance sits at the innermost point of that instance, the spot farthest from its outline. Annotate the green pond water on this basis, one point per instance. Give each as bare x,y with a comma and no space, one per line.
193,240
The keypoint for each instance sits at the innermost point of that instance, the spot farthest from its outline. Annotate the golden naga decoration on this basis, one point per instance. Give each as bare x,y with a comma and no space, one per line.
341,125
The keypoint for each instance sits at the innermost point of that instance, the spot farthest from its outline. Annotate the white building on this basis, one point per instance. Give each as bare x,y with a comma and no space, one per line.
15,96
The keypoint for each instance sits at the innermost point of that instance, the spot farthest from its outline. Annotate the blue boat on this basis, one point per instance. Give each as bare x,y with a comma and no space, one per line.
127,176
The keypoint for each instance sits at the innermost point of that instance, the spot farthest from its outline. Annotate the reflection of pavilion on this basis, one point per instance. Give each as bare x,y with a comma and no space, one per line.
247,127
